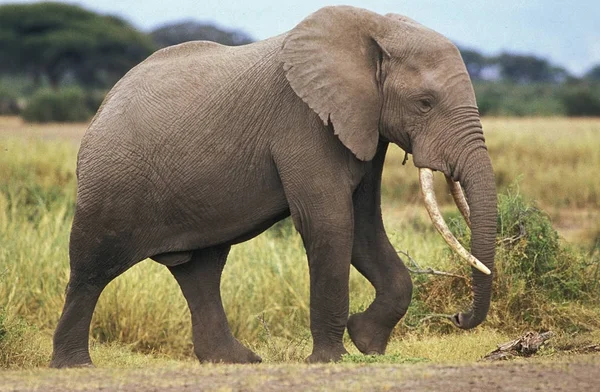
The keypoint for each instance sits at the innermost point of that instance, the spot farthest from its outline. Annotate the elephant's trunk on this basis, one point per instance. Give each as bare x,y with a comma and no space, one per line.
477,178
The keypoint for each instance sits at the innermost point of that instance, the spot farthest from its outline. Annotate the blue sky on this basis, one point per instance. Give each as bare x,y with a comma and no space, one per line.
566,32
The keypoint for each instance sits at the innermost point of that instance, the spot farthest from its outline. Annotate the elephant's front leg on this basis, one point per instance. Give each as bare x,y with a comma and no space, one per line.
326,229
329,264
377,260
374,256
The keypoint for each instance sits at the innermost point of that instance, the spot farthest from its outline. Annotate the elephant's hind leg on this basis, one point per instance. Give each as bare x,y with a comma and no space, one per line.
93,266
200,282
71,337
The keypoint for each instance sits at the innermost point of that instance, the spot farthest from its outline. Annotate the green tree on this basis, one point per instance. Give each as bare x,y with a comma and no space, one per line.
475,62
528,69
176,33
54,40
593,74
581,99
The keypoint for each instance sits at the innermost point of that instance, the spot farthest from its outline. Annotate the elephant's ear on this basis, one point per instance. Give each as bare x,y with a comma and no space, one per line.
331,60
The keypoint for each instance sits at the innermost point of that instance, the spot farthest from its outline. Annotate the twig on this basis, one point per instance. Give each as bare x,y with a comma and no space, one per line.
261,318
515,238
430,317
435,316
428,270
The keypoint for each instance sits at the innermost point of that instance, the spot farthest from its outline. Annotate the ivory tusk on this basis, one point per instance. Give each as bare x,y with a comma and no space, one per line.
459,199
426,179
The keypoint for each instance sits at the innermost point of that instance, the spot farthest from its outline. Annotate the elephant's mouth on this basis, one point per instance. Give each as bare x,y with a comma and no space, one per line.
426,179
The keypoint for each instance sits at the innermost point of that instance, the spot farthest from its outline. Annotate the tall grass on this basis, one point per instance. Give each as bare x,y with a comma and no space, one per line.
265,283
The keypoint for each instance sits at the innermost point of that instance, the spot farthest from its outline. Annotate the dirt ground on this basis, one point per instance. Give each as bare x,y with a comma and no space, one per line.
573,373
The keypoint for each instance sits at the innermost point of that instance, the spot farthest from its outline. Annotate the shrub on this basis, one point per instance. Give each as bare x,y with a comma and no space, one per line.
9,104
531,251
540,282
65,105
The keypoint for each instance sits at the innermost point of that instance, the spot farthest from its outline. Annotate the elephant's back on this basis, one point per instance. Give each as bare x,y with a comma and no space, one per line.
177,80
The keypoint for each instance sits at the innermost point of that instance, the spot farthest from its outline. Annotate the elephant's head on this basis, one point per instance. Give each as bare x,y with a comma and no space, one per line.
389,78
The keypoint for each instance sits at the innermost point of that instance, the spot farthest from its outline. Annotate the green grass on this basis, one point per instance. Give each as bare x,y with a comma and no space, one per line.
142,318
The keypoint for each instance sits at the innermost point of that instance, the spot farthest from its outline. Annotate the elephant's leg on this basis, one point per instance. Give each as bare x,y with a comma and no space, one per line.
96,258
71,338
319,177
376,259
329,264
371,329
200,282
91,270
326,230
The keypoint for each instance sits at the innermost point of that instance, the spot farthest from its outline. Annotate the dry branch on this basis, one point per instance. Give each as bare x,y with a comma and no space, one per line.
524,346
429,271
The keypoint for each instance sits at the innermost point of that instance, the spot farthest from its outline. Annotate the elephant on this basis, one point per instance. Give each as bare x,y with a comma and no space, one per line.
203,146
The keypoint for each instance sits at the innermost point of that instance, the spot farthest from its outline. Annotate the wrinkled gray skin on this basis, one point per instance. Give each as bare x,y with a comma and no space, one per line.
203,146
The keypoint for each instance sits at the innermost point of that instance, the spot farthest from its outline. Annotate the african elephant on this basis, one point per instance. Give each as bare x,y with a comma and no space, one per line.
203,146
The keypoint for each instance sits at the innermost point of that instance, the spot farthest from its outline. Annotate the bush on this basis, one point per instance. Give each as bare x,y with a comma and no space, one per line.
64,105
540,282
9,104
531,252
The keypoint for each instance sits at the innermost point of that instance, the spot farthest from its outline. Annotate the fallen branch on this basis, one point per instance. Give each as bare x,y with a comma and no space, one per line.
525,346
428,270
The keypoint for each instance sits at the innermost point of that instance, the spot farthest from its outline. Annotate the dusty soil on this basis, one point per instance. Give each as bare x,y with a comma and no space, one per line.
574,373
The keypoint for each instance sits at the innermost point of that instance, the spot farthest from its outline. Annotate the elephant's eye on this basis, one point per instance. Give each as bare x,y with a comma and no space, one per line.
425,105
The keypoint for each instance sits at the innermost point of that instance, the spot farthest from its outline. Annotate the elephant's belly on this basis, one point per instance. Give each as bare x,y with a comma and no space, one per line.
226,212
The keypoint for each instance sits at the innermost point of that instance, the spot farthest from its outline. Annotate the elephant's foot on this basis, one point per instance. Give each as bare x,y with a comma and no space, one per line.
233,352
327,355
367,335
62,361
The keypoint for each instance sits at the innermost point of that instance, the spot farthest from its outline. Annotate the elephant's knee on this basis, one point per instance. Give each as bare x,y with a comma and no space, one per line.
402,297
405,298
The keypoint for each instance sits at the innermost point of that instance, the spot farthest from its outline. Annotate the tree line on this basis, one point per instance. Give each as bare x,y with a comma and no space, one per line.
55,56
516,84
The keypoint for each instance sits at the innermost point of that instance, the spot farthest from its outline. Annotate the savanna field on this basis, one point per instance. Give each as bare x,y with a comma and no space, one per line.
548,260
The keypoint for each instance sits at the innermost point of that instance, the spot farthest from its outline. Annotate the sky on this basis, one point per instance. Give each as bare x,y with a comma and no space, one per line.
565,32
